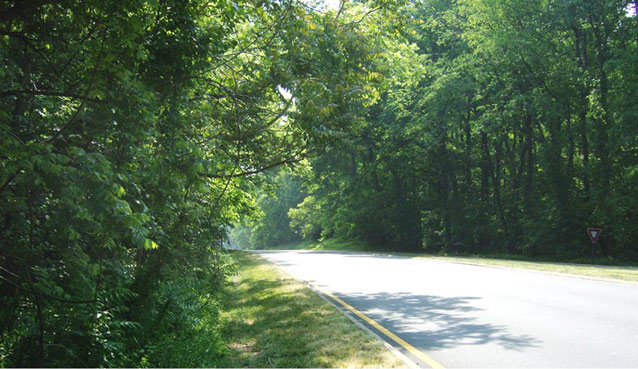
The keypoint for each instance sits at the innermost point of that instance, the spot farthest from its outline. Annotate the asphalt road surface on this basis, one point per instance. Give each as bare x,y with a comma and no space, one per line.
473,316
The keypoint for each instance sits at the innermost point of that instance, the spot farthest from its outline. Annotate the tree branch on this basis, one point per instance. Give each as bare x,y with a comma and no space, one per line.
258,170
88,89
49,93
362,17
342,4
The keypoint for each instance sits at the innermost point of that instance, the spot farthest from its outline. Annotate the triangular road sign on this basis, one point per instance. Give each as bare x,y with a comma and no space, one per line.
593,233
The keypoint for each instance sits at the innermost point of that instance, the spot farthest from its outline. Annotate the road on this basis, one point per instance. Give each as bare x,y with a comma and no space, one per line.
464,315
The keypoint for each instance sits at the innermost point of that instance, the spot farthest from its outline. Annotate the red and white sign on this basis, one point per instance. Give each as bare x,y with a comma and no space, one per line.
593,233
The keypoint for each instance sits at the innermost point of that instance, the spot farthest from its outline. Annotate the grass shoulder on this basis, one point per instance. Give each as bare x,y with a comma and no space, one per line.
584,270
272,320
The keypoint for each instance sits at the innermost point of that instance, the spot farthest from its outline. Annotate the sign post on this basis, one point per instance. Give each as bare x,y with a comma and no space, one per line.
593,234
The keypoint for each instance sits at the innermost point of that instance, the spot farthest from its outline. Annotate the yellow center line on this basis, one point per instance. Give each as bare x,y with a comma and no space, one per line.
428,360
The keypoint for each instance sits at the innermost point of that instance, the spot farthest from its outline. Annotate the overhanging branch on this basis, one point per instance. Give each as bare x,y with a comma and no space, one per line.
257,170
49,93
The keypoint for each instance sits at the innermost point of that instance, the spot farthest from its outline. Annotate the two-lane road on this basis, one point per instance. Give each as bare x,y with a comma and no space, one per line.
472,316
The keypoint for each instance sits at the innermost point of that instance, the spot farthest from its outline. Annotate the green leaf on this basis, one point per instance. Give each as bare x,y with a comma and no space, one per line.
74,235
120,191
150,244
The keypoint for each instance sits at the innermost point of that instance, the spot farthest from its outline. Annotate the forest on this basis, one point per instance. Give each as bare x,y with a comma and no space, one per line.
135,135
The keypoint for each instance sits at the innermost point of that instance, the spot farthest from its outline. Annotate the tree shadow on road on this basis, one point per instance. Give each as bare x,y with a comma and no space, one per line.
430,322
434,322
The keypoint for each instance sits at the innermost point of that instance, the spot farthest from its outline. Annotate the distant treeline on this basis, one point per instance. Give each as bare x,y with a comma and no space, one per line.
500,127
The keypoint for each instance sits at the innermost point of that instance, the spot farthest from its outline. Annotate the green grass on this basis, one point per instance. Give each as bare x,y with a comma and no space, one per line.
595,271
272,320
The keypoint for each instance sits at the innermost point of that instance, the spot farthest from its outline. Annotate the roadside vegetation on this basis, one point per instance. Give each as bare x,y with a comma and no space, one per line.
595,271
272,320
135,134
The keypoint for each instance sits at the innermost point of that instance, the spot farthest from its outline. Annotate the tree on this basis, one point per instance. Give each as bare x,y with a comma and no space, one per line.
494,127
131,138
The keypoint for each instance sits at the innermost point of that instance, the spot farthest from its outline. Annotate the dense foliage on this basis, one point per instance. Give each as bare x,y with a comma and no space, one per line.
499,127
130,136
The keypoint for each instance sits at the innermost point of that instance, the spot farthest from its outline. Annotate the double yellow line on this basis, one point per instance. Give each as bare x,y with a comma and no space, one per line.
428,360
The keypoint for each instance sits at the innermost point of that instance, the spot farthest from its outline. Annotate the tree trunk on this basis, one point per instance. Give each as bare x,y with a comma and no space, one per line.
496,175
581,59
468,151
484,238
602,126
